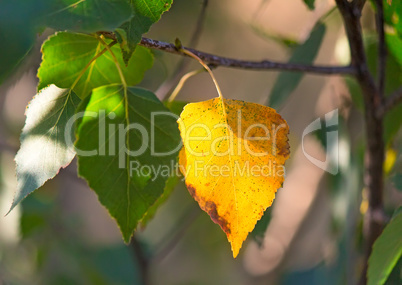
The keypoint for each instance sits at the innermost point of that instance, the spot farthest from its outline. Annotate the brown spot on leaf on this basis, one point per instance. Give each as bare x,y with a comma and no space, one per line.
210,208
284,149
191,189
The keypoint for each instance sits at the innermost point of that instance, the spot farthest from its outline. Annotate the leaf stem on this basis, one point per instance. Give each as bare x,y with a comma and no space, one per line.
125,98
90,62
189,53
116,62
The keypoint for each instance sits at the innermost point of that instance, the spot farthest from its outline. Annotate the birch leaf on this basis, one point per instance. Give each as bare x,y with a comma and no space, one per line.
387,250
233,161
127,151
46,139
145,14
66,55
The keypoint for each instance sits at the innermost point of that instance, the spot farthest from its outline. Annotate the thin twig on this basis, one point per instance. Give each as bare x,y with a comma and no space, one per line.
393,100
163,90
382,48
116,62
215,60
110,45
374,220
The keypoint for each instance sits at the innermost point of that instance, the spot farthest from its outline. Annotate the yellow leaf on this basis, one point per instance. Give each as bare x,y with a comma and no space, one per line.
390,158
233,161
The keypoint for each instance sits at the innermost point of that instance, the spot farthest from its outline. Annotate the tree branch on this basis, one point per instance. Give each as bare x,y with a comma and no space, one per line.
373,178
382,48
215,60
359,4
168,85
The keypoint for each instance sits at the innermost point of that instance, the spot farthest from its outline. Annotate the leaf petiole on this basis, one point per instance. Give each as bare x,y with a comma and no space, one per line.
123,79
190,54
90,62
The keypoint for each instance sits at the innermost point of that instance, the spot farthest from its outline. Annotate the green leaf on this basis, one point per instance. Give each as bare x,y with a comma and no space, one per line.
386,252
65,56
126,171
395,277
84,15
394,44
46,139
170,186
75,15
146,13
310,4
21,20
176,107
288,81
393,14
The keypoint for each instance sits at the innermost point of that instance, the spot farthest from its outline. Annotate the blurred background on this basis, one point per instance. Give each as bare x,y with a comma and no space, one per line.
311,235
